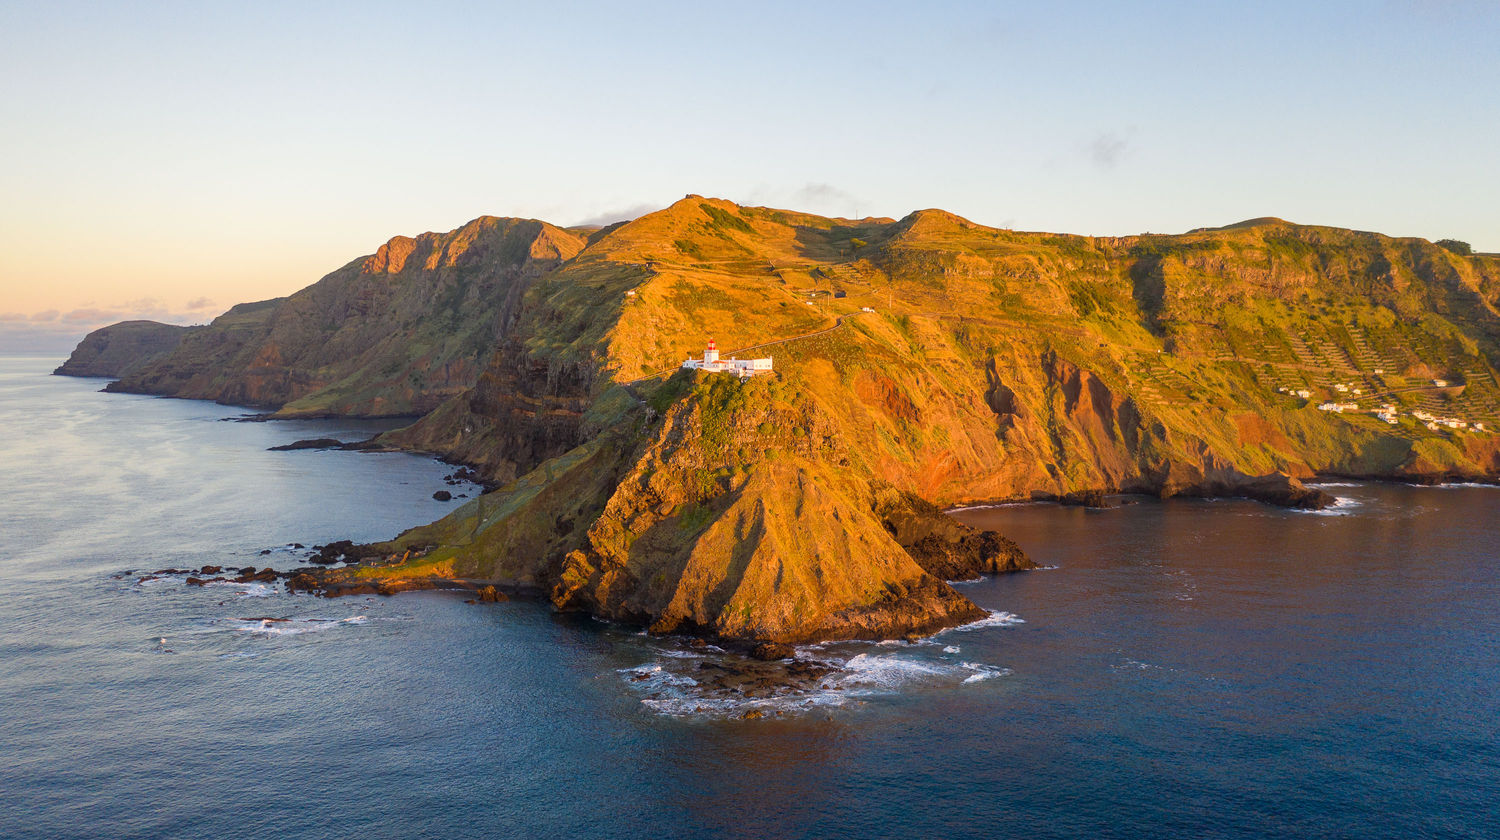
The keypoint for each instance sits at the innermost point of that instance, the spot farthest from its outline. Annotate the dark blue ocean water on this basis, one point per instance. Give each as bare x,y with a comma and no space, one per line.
1187,669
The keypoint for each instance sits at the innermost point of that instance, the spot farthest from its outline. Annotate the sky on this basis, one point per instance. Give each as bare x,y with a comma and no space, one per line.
168,160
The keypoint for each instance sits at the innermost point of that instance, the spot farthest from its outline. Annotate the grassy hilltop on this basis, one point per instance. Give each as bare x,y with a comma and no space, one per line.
918,362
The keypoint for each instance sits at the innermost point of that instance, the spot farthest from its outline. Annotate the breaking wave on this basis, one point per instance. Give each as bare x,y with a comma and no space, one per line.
699,683
996,618
271,627
1342,506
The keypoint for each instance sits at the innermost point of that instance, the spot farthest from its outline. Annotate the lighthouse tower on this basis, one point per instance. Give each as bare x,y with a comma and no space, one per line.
711,355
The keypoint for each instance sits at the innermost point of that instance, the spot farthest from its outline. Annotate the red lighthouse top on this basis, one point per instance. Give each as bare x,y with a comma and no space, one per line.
712,345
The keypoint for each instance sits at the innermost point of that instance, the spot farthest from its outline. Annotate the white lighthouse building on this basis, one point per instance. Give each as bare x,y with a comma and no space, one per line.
740,367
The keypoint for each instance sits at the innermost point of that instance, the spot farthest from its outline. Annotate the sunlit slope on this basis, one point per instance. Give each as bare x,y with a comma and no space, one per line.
999,364
927,358
388,334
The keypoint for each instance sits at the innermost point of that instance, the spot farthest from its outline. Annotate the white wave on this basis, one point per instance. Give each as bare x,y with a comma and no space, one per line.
691,653
666,686
267,628
655,676
247,590
996,618
983,672
996,505
887,671
1342,506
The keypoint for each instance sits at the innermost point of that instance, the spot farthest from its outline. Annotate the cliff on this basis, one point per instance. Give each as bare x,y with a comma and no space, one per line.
393,333
121,349
737,514
921,362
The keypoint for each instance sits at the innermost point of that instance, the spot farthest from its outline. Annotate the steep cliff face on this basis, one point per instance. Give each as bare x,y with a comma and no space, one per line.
121,349
394,333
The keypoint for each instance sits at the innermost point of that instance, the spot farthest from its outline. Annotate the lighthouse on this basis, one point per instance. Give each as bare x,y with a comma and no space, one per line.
740,367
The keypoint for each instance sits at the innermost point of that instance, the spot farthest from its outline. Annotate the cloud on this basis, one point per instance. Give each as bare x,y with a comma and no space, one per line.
198,303
815,197
28,337
53,333
624,214
820,193
91,316
1107,148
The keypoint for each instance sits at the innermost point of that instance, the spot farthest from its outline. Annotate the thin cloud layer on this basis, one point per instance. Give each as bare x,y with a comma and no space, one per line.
1107,149
624,214
54,332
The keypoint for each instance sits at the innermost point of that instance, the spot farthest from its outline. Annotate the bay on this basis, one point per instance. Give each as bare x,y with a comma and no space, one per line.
1186,668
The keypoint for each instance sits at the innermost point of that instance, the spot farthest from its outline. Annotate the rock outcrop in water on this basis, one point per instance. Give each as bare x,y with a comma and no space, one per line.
919,363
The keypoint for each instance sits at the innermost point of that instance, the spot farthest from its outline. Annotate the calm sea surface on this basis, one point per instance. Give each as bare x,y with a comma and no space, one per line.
1185,669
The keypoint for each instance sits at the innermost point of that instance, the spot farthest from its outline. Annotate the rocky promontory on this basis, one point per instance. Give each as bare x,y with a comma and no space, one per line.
123,348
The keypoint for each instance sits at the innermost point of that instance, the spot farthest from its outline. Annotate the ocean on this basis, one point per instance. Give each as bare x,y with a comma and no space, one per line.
1186,668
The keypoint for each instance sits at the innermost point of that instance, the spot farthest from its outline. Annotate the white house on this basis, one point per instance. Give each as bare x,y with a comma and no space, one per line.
740,367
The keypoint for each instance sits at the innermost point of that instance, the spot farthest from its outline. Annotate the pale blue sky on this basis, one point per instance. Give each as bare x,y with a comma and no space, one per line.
166,153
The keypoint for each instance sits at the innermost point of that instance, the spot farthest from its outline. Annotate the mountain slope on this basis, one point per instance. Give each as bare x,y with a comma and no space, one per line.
389,334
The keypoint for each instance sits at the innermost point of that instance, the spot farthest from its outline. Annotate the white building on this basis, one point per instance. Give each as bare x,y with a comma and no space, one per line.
713,364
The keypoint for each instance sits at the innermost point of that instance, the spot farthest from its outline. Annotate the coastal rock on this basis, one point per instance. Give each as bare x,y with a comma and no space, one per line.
945,547
334,552
442,496
261,576
310,443
769,651
1085,498
302,582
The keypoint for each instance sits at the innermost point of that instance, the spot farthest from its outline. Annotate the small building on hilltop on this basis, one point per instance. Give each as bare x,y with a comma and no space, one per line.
740,367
